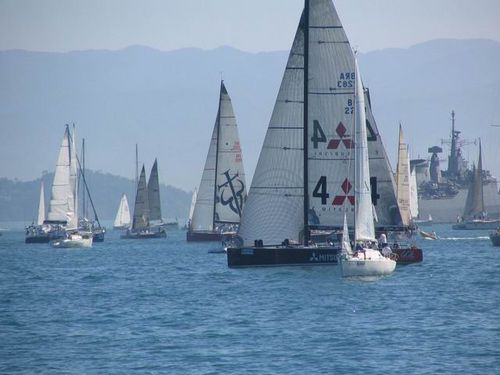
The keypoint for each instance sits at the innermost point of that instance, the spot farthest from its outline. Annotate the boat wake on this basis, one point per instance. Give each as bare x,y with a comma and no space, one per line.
464,238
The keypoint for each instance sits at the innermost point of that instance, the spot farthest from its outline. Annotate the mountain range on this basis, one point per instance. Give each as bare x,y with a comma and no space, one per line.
166,101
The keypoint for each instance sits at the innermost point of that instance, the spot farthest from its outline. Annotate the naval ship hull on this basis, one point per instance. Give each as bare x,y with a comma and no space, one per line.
446,210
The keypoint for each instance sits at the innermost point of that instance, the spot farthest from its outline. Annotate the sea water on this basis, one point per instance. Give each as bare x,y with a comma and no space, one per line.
167,306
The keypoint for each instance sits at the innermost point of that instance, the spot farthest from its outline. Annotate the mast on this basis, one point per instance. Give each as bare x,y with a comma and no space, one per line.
136,165
306,119
84,206
217,156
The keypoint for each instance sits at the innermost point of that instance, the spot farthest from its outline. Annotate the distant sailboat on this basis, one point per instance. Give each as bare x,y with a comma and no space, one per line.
191,208
146,222
302,182
122,219
403,180
61,210
367,260
474,215
222,192
41,206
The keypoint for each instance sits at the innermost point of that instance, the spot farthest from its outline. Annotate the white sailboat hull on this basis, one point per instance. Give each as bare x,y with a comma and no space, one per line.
73,241
371,264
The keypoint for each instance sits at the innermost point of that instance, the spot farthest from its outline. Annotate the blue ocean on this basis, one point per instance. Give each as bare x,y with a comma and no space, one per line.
166,306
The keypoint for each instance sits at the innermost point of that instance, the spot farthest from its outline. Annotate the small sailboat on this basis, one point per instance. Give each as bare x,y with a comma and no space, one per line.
62,205
367,260
191,208
146,222
424,222
122,219
475,216
74,240
222,192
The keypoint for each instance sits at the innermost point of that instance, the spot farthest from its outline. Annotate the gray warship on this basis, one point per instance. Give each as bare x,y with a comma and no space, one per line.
442,193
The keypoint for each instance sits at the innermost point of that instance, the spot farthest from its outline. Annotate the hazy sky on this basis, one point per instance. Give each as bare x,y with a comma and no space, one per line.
256,25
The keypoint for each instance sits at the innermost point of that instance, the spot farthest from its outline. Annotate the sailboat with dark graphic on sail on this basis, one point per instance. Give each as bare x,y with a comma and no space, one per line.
302,182
222,192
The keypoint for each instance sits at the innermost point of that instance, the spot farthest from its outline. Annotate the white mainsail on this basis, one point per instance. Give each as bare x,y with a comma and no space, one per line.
122,218
61,205
222,191
154,194
364,228
413,194
403,180
141,206
230,188
41,206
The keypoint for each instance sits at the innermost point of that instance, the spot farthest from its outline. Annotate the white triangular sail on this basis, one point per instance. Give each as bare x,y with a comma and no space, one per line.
154,194
413,194
222,191
41,206
346,243
73,179
364,229
193,203
403,180
230,185
61,205
141,206
122,218
275,204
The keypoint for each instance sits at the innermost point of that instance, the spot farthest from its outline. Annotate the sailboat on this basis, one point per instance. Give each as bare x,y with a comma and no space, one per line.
403,180
40,232
222,191
301,182
146,222
474,215
367,260
122,219
85,223
61,210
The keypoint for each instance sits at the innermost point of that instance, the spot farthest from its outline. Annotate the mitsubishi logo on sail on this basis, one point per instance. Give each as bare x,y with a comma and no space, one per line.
346,188
341,131
235,200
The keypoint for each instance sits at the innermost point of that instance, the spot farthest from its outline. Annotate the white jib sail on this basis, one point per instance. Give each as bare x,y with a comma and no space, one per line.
413,194
193,203
403,180
41,206
61,199
73,178
230,189
346,243
122,218
203,213
364,226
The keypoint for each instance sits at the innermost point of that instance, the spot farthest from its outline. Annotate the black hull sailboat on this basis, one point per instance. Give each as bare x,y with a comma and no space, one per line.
302,181
217,204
